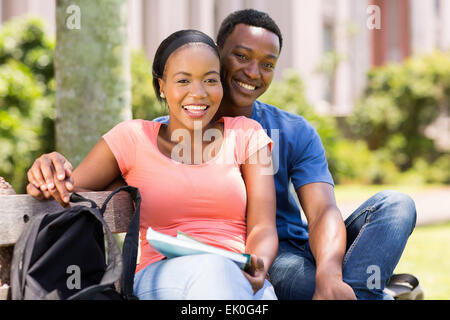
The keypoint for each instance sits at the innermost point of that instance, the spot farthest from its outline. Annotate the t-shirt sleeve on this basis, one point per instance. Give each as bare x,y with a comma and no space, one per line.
308,161
122,141
251,138
162,119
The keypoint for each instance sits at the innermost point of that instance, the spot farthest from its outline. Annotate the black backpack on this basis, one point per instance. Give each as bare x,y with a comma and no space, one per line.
62,255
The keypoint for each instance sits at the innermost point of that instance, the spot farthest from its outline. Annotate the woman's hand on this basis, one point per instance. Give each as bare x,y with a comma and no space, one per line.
50,176
255,273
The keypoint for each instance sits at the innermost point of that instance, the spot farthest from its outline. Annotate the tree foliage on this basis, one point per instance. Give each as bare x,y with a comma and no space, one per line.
26,97
400,101
144,102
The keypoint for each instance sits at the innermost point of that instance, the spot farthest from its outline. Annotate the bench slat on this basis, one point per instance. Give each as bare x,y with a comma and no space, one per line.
15,209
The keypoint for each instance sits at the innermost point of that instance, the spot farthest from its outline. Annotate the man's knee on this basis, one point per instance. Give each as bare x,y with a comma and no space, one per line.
293,276
401,208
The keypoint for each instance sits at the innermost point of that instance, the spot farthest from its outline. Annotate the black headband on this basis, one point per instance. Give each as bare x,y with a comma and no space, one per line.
185,39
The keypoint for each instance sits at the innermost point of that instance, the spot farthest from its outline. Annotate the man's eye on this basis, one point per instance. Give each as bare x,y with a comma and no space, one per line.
241,56
268,65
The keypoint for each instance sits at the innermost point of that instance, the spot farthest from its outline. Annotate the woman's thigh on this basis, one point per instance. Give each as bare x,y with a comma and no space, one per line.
193,277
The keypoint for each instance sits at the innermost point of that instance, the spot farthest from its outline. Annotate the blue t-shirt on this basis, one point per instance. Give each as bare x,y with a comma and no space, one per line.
298,157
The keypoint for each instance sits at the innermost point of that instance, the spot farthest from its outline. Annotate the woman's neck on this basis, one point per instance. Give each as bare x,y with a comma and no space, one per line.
187,145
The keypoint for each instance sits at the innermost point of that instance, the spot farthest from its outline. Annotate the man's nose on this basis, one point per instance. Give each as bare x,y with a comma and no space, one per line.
252,70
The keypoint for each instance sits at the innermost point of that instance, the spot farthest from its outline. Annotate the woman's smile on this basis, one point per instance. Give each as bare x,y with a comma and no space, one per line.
196,110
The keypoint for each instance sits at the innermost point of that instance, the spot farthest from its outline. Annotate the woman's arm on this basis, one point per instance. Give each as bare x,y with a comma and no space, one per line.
51,175
97,170
262,238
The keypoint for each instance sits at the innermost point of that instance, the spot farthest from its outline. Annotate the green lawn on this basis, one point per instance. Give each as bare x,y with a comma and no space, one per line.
427,253
427,256
364,192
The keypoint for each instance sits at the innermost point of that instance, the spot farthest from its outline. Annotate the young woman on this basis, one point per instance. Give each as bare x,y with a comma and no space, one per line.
211,180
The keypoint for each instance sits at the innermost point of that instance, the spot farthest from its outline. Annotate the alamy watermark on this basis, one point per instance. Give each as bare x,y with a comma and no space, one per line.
73,20
74,279
374,280
248,141
374,19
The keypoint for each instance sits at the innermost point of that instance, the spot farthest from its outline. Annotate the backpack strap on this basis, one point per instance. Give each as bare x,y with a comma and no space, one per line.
131,242
75,197
405,279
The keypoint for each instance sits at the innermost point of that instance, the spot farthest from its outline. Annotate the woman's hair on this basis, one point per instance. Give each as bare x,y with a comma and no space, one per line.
249,17
172,43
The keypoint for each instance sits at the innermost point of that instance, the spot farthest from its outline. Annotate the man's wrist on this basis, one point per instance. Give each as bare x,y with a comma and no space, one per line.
329,271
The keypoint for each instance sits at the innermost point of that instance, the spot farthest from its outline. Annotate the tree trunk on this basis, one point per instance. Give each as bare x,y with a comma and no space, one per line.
92,73
6,253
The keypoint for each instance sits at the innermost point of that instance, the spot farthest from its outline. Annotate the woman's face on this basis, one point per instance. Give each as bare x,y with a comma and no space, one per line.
191,85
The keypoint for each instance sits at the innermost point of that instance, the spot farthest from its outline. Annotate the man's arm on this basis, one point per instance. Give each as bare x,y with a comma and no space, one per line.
51,175
327,240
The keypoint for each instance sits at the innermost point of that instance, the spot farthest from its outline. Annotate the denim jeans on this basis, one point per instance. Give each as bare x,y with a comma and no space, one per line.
377,233
204,276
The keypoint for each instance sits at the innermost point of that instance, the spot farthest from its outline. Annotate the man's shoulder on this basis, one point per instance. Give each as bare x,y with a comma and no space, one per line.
272,117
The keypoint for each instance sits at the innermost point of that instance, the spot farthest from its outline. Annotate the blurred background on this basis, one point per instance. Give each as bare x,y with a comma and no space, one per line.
372,76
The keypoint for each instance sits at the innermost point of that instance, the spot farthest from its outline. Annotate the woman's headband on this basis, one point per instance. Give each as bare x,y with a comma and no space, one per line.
185,39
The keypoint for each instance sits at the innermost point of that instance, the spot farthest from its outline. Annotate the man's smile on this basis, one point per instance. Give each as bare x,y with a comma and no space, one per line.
245,85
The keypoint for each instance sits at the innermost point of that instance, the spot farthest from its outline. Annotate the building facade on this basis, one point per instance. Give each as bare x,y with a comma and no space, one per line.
331,43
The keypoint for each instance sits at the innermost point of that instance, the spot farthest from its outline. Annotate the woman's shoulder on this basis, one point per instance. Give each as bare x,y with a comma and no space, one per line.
136,125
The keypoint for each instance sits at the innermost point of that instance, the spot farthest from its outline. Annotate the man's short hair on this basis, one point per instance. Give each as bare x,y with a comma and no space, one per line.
249,17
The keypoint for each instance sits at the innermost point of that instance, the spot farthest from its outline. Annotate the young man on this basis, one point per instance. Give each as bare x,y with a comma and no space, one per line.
326,258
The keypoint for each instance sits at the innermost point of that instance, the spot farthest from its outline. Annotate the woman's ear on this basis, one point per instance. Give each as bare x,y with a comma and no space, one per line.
161,88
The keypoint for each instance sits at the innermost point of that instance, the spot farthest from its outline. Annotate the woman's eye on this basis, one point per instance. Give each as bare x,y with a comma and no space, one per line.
212,81
183,81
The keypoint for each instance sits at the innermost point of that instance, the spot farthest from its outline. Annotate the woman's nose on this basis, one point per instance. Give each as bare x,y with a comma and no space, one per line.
198,91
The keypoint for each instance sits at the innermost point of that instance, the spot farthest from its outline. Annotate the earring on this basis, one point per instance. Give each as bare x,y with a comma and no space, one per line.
162,95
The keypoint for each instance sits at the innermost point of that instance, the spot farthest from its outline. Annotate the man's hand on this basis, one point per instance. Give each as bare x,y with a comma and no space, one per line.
50,176
256,273
332,288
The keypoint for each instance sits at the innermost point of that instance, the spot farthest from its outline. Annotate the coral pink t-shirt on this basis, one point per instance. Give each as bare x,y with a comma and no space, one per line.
207,201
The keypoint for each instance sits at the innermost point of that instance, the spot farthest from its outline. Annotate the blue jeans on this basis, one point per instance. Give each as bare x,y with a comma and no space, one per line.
204,276
377,233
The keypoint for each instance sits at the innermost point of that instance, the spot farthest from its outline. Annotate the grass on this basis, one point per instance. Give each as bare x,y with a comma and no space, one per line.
427,256
349,192
427,253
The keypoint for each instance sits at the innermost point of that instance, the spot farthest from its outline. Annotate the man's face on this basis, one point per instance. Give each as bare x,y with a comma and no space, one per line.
248,60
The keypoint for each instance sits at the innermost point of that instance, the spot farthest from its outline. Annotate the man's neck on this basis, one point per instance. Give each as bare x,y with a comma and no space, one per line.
227,109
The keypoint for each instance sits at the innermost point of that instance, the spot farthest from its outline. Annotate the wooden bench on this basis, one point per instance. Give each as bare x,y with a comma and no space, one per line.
17,209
